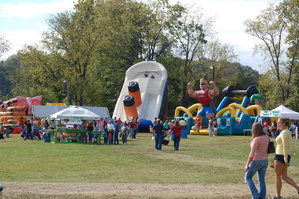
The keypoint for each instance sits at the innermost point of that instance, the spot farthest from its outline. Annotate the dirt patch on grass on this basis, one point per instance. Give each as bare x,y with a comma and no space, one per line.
125,191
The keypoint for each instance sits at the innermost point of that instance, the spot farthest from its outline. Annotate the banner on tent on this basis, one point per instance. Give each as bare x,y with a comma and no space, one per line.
268,113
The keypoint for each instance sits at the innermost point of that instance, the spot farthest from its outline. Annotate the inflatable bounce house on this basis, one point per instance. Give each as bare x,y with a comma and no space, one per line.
143,95
12,110
232,117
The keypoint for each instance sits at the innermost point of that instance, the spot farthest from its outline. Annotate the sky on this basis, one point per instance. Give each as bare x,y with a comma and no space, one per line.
23,21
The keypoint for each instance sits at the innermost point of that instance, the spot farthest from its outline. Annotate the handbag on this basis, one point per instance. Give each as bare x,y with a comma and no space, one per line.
271,148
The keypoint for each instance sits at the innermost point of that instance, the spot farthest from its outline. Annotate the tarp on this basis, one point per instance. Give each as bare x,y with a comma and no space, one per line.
47,111
76,112
280,111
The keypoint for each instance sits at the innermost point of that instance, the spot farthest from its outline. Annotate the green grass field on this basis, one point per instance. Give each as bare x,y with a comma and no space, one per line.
200,160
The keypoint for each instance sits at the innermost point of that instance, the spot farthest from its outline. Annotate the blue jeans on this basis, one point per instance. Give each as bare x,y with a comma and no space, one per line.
176,142
115,137
135,133
131,131
28,134
210,130
110,141
274,134
259,166
158,141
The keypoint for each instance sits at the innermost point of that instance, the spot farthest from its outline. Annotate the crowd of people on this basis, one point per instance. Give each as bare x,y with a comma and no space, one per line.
258,158
113,130
273,131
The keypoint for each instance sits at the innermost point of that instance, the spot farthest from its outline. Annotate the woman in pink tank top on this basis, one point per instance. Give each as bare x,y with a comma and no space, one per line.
257,161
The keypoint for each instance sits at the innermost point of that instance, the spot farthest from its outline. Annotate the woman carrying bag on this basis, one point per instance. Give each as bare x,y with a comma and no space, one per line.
257,161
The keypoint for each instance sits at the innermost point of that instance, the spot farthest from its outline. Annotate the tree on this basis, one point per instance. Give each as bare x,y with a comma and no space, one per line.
69,53
271,31
158,40
189,34
289,13
213,58
4,45
39,74
7,68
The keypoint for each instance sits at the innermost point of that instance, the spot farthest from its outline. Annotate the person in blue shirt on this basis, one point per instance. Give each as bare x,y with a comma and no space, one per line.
158,132
116,132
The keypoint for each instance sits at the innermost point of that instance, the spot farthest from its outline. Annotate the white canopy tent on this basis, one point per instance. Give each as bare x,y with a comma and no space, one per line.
286,112
76,112
282,111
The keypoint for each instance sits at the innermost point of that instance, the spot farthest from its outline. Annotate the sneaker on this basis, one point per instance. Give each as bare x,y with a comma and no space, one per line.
275,197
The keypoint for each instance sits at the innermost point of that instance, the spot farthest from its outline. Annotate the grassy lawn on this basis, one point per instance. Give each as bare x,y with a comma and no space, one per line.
200,160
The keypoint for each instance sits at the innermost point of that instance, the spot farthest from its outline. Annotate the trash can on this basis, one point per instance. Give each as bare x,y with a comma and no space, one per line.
47,136
184,133
7,131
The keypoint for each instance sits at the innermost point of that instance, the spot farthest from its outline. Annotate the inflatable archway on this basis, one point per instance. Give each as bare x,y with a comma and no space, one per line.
238,106
252,108
197,106
230,110
181,108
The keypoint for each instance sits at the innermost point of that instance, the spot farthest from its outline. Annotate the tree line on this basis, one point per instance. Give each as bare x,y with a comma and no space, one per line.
91,47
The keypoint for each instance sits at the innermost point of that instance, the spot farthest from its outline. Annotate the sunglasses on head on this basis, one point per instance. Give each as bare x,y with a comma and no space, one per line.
202,84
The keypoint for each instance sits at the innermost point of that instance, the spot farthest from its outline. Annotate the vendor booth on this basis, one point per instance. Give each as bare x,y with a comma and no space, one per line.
60,135
286,112
282,112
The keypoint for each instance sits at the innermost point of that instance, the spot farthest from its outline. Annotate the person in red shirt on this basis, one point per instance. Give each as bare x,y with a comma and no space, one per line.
21,122
176,130
136,126
205,96
119,121
132,127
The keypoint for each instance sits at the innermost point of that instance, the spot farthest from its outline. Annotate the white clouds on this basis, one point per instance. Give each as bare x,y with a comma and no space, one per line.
14,16
29,10
230,17
23,37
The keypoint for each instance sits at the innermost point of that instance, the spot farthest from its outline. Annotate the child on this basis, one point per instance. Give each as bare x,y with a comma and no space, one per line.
1,132
124,133
151,131
110,138
105,136
215,127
